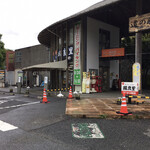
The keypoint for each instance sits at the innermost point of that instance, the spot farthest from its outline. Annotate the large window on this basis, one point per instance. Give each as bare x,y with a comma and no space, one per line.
104,40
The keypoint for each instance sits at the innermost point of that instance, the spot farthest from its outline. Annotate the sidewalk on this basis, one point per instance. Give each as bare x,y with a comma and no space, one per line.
38,91
95,105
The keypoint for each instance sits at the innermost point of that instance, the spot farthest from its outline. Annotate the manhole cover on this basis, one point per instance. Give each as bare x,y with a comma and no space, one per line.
86,130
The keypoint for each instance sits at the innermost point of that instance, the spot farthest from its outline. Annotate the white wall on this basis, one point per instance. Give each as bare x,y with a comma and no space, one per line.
93,27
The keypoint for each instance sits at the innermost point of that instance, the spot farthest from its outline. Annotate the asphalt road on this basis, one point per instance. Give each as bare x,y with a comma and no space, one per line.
46,127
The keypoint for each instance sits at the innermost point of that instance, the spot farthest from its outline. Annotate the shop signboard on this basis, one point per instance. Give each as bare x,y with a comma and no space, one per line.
129,88
115,52
139,23
77,66
136,73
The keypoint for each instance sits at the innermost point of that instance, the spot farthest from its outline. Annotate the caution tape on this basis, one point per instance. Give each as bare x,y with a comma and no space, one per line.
146,97
55,90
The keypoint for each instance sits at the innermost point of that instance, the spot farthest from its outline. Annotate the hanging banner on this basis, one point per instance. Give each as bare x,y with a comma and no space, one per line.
77,66
59,55
70,54
136,74
64,53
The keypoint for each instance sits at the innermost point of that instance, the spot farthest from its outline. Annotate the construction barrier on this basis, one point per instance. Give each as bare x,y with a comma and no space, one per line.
57,90
134,96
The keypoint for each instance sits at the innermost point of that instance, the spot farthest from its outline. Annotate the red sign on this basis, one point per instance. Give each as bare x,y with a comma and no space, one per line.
115,52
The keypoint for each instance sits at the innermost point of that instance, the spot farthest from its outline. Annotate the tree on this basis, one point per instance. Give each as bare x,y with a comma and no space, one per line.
2,54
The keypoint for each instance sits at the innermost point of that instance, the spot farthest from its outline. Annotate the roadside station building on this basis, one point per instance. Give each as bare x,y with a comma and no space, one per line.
91,41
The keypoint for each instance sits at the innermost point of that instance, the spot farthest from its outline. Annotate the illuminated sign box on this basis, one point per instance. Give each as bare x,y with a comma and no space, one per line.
115,52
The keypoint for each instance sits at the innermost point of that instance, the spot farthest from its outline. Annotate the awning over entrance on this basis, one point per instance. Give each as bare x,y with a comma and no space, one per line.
50,65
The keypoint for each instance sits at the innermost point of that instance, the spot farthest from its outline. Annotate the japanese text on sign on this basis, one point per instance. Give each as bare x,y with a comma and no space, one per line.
136,73
77,71
139,23
129,88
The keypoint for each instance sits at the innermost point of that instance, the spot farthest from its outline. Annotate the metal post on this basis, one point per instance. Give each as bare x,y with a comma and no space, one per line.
19,85
138,41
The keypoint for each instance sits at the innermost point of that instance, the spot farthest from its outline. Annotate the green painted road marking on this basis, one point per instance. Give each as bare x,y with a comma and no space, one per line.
86,130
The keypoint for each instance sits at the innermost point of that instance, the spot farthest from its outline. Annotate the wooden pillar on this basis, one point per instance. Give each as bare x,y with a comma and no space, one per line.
138,40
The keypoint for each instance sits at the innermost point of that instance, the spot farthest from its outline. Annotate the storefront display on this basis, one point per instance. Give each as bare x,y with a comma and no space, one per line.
84,83
88,82
93,82
98,86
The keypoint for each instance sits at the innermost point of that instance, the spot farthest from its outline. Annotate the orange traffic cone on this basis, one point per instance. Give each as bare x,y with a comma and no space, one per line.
123,111
44,97
70,93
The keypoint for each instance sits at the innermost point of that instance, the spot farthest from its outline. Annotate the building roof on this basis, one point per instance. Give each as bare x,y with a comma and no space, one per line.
114,12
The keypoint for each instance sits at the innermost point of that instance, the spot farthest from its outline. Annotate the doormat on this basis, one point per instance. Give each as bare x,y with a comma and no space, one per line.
86,130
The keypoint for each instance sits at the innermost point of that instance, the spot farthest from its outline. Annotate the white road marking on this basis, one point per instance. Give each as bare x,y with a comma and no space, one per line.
6,97
6,126
4,101
19,105
147,133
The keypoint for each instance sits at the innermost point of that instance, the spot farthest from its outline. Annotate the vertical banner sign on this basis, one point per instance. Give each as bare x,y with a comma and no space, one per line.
136,74
77,66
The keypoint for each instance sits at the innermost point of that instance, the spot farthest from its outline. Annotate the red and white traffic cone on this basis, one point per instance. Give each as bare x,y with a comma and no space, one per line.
44,97
70,93
123,111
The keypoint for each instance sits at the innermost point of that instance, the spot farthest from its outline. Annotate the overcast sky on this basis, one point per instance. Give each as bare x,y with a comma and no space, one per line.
22,20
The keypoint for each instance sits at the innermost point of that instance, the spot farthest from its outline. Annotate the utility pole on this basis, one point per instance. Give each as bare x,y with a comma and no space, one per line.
138,42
